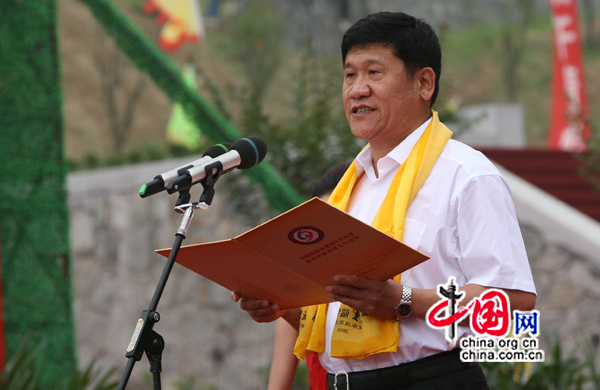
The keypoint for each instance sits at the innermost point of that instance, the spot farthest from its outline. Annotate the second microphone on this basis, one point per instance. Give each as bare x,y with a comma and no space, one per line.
244,154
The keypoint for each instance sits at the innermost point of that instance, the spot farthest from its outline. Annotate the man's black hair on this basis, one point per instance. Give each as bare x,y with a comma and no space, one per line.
412,40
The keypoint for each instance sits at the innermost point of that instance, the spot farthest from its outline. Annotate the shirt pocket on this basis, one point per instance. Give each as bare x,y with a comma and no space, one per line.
413,233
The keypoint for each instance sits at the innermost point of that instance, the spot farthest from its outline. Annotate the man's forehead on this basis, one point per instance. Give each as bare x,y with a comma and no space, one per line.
375,60
373,53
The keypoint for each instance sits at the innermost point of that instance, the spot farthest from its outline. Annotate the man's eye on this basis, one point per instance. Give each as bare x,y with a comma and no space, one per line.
349,75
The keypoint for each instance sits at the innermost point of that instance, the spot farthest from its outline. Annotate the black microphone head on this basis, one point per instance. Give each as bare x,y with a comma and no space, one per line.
217,150
252,151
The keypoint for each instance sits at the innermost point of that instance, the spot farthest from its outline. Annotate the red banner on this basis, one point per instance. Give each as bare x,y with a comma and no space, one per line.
569,128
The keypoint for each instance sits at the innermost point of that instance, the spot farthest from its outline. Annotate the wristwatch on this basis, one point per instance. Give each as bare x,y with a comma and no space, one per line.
404,308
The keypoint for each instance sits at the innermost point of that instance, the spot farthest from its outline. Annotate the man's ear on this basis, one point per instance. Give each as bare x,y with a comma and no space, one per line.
426,78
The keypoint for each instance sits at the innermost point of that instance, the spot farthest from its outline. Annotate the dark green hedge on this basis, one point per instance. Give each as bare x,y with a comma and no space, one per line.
34,223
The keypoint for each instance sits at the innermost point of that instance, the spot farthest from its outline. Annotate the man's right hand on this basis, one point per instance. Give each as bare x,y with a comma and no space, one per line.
259,309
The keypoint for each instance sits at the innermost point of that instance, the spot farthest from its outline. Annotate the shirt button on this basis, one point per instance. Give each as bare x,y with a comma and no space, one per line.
374,187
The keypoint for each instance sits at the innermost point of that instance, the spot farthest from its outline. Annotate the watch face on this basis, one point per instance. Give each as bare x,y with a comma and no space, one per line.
404,310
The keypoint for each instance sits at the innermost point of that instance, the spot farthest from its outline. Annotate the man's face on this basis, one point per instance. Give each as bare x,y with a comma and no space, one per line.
382,103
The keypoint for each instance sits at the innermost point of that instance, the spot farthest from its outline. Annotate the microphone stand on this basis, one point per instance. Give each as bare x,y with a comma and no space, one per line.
144,338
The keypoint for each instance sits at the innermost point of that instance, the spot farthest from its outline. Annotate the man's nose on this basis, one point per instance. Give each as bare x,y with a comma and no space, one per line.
360,88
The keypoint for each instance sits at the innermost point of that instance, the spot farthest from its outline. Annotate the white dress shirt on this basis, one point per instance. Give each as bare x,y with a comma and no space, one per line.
463,218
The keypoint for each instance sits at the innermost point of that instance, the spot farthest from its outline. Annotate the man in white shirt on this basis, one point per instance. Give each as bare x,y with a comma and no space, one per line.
462,216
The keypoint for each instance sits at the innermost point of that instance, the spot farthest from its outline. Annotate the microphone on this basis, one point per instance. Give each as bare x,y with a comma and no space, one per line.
244,154
161,181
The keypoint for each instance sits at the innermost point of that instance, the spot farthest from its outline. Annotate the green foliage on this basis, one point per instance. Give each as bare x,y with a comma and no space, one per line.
19,372
513,41
188,383
301,378
559,371
92,378
22,372
146,152
257,39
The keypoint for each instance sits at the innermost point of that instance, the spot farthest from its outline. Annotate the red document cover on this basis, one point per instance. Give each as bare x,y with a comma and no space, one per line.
290,259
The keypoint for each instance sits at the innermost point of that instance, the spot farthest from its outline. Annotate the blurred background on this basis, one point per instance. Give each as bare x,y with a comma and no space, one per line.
98,97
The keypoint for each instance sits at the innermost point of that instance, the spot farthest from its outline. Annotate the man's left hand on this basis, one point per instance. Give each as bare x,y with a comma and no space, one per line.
373,297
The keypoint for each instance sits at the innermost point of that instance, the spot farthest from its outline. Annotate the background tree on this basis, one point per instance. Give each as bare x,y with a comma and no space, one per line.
589,20
120,101
516,17
256,44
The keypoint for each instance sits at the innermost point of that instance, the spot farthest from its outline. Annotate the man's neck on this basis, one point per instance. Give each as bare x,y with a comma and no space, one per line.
382,149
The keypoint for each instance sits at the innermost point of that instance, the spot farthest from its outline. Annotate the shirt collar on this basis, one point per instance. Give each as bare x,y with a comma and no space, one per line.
364,161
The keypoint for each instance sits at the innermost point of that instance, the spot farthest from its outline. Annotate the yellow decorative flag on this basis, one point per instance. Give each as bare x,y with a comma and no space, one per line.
181,21
181,130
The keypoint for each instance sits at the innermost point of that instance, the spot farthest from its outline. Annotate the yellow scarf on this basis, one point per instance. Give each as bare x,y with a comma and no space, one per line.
357,335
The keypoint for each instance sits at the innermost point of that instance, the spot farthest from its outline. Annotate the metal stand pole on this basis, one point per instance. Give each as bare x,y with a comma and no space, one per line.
144,338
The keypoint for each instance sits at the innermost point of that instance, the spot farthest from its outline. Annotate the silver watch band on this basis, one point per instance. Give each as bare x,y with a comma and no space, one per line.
406,294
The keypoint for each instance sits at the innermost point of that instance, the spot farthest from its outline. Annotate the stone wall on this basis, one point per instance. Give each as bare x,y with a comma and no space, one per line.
568,287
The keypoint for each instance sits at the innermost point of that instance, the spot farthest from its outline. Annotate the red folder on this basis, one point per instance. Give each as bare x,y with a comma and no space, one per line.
290,259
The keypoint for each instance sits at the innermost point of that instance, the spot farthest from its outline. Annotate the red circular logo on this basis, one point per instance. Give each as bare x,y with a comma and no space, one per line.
305,235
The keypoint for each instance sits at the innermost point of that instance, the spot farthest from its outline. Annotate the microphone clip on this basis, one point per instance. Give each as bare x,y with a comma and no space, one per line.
209,181
208,184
